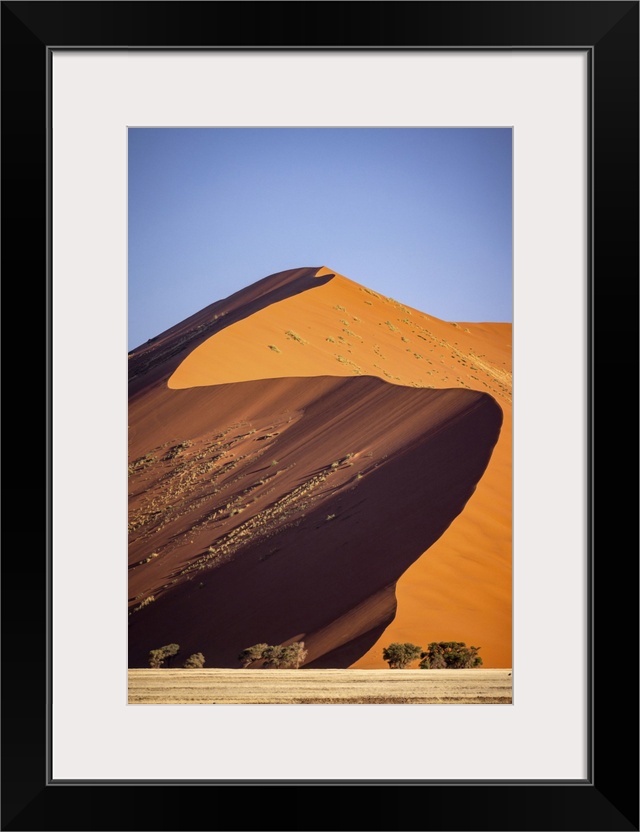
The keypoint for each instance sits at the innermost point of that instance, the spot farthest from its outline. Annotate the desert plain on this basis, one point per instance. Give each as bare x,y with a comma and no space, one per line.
217,686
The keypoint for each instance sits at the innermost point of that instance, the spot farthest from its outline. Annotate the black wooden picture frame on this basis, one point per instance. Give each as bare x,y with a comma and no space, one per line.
608,798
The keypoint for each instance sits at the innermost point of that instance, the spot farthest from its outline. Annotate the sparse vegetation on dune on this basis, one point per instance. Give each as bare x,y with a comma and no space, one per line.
148,600
294,336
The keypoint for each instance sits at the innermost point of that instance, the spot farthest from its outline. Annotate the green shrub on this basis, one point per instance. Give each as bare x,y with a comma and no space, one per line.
399,655
450,654
194,660
252,654
162,654
274,656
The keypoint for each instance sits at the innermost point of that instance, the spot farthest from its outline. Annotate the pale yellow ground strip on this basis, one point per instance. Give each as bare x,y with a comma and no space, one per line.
226,687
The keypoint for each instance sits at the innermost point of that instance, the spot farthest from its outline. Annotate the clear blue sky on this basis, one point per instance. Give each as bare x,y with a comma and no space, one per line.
422,215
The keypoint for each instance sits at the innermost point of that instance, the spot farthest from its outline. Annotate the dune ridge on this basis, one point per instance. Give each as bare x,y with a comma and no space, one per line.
254,486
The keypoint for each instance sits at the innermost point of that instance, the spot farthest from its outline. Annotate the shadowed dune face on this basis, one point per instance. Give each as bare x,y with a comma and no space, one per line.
284,494
312,546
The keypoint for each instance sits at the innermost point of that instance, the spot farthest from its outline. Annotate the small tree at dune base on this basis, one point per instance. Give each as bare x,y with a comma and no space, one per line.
194,660
252,654
398,655
275,656
451,655
294,655
162,654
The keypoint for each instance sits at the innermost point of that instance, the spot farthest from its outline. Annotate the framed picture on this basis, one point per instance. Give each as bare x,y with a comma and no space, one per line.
76,76
319,520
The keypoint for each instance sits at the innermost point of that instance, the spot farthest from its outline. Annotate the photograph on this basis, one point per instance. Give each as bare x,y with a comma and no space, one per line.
320,474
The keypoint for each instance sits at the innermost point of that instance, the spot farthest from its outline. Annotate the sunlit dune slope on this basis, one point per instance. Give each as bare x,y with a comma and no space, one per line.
272,499
338,327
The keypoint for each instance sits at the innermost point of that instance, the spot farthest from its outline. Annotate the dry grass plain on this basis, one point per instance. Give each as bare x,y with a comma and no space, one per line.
222,686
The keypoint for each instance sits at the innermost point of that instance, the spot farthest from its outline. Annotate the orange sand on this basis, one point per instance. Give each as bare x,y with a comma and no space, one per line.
460,589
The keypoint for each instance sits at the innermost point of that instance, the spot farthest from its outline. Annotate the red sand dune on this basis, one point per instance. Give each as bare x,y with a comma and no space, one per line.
278,491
